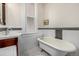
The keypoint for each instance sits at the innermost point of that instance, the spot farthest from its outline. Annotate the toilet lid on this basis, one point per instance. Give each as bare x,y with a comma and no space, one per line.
60,44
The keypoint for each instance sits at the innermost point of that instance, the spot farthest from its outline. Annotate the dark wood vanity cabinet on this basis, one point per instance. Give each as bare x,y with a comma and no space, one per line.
9,42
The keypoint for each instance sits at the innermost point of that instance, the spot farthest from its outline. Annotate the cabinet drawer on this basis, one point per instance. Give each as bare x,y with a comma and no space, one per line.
8,42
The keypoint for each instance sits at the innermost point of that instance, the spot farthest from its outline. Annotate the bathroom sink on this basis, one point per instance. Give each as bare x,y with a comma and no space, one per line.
11,34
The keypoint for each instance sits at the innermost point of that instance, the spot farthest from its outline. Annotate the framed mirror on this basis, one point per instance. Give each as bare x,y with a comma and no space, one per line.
2,14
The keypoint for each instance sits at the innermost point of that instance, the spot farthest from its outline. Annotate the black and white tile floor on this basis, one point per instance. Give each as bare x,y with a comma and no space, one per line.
36,52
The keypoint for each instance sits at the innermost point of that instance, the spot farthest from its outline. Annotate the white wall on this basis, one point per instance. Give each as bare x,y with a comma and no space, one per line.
41,13
47,33
59,15
0,10
62,14
30,9
14,14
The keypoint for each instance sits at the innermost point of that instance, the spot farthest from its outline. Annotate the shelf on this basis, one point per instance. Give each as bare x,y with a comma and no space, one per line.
30,16
30,24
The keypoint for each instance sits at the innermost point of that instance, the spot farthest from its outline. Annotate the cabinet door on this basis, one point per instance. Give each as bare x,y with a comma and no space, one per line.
4,43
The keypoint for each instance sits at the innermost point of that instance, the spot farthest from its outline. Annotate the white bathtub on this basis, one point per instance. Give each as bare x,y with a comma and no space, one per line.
56,47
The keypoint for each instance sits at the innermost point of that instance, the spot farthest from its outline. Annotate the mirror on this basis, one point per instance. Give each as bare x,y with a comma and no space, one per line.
2,14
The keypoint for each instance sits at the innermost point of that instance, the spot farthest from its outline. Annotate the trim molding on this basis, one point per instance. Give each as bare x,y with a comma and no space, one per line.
64,28
4,29
16,28
58,31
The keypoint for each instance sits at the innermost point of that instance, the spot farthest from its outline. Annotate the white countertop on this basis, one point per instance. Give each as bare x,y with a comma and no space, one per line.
11,34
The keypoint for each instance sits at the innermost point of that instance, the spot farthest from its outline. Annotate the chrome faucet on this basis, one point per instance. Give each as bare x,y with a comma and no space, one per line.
7,31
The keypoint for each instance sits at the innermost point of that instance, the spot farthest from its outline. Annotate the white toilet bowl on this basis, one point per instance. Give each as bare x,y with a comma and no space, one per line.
56,47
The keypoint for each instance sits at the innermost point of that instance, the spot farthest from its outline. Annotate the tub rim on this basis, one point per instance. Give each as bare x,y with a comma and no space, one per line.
50,45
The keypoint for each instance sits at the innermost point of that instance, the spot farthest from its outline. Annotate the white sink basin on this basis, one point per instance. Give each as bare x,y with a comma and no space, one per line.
11,34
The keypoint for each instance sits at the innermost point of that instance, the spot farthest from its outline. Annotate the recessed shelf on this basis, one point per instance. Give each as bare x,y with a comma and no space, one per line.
30,17
30,24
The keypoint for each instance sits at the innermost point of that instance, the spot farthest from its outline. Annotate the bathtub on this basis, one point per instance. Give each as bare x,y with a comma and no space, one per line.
56,47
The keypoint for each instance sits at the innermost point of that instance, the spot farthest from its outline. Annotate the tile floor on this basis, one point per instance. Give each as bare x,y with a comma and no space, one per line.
37,52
